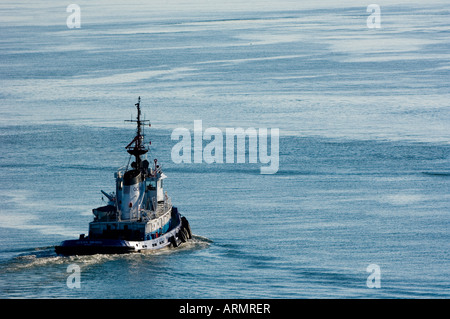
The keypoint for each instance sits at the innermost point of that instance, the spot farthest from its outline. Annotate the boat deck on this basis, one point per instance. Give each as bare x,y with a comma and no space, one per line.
109,213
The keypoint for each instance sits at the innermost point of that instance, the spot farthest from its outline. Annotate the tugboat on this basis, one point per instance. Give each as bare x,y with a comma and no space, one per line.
139,215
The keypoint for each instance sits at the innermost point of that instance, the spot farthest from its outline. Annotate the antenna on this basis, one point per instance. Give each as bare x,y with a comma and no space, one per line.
138,149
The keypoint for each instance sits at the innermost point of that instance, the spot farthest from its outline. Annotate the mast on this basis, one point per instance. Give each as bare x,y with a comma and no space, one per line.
138,149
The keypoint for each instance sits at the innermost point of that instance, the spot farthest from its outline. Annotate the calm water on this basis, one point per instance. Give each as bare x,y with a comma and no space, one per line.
364,173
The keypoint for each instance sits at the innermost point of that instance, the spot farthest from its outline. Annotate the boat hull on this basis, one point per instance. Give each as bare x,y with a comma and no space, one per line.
85,246
91,247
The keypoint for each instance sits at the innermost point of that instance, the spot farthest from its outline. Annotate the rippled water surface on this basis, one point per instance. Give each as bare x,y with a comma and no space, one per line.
364,158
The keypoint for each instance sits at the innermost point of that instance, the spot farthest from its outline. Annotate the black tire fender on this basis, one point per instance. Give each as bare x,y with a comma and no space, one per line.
186,226
173,241
182,235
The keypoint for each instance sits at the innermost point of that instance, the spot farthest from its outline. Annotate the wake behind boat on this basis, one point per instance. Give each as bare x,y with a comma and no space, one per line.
139,215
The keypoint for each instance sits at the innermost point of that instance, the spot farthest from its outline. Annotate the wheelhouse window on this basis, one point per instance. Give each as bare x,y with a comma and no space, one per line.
151,185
